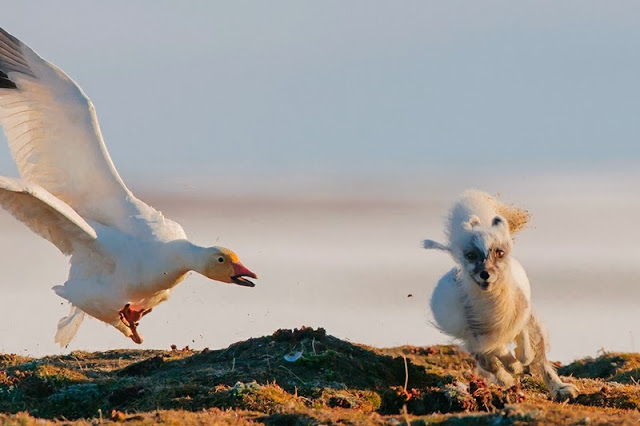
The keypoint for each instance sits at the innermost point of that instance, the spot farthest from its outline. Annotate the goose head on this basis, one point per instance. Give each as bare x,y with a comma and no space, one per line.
224,265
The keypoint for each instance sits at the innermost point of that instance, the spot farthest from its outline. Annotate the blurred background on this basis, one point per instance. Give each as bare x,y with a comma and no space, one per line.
322,141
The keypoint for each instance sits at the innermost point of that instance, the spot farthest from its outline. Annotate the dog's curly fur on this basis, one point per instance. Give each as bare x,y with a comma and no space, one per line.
485,300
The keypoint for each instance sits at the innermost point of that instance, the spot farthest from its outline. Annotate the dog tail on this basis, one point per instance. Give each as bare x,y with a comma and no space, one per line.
434,245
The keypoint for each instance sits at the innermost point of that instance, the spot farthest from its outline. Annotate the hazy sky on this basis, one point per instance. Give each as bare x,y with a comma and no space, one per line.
255,89
202,93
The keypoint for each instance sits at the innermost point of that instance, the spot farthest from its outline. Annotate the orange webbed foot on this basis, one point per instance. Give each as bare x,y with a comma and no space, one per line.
130,318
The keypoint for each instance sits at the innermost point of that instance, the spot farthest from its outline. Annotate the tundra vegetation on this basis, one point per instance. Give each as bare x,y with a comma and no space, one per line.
304,377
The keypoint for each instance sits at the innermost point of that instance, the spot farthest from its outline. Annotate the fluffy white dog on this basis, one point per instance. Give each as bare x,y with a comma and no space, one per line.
485,299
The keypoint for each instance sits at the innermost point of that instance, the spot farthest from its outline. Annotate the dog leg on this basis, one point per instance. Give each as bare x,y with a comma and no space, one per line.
559,390
507,359
490,363
524,350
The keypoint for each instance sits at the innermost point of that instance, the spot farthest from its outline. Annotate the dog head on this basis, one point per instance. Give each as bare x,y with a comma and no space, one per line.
484,252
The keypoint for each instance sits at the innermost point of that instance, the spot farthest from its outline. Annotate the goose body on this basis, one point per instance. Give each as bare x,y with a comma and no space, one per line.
125,256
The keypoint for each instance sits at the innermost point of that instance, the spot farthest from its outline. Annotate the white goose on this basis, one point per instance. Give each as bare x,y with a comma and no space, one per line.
125,256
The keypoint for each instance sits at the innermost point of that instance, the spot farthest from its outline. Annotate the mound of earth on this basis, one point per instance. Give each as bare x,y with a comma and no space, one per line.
301,376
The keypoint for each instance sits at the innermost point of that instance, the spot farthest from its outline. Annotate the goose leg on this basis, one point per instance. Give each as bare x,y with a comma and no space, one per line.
130,318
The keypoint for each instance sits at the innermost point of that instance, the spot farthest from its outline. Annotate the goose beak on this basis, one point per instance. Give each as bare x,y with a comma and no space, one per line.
240,272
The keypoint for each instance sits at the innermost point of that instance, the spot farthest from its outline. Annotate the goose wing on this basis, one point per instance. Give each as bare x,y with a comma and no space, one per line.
46,215
55,139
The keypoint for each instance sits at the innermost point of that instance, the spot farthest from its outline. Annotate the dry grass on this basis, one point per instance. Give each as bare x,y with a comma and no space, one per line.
333,382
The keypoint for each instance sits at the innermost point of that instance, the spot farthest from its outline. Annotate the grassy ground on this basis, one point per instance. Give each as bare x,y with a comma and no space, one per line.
302,377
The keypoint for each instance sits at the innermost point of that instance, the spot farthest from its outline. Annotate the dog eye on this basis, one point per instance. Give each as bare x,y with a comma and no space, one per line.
471,256
499,253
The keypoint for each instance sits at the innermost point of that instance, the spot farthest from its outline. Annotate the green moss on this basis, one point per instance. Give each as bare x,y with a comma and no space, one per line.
254,397
365,401
606,366
611,395
627,377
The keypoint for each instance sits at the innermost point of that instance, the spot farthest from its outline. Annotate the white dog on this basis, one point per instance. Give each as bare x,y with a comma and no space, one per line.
485,300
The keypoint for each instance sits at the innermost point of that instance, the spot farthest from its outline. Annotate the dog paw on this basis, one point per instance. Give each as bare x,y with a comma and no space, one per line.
505,380
515,367
564,392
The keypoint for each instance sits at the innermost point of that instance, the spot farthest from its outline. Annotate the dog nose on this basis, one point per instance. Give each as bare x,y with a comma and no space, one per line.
484,275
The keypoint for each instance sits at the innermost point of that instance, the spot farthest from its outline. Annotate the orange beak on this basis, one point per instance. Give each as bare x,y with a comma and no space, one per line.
240,272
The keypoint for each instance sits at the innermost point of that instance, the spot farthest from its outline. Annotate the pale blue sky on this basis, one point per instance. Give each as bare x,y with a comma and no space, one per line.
193,95
255,89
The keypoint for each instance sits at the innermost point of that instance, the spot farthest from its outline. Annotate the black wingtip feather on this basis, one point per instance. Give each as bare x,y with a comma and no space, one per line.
5,83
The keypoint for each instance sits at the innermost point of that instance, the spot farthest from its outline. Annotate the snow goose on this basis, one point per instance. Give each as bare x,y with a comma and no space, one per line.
125,256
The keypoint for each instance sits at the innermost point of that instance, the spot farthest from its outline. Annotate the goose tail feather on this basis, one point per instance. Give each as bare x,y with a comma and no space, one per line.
68,326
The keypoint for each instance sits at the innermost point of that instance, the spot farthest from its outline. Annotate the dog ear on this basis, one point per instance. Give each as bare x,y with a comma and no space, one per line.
434,245
499,221
473,221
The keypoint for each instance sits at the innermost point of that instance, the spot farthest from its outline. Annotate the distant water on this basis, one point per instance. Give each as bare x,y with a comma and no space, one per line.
349,260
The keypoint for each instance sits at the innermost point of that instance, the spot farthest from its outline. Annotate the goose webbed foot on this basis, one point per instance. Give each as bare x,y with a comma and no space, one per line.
130,318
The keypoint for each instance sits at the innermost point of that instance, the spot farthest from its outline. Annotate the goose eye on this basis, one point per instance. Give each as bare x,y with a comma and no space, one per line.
499,253
471,256
221,259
